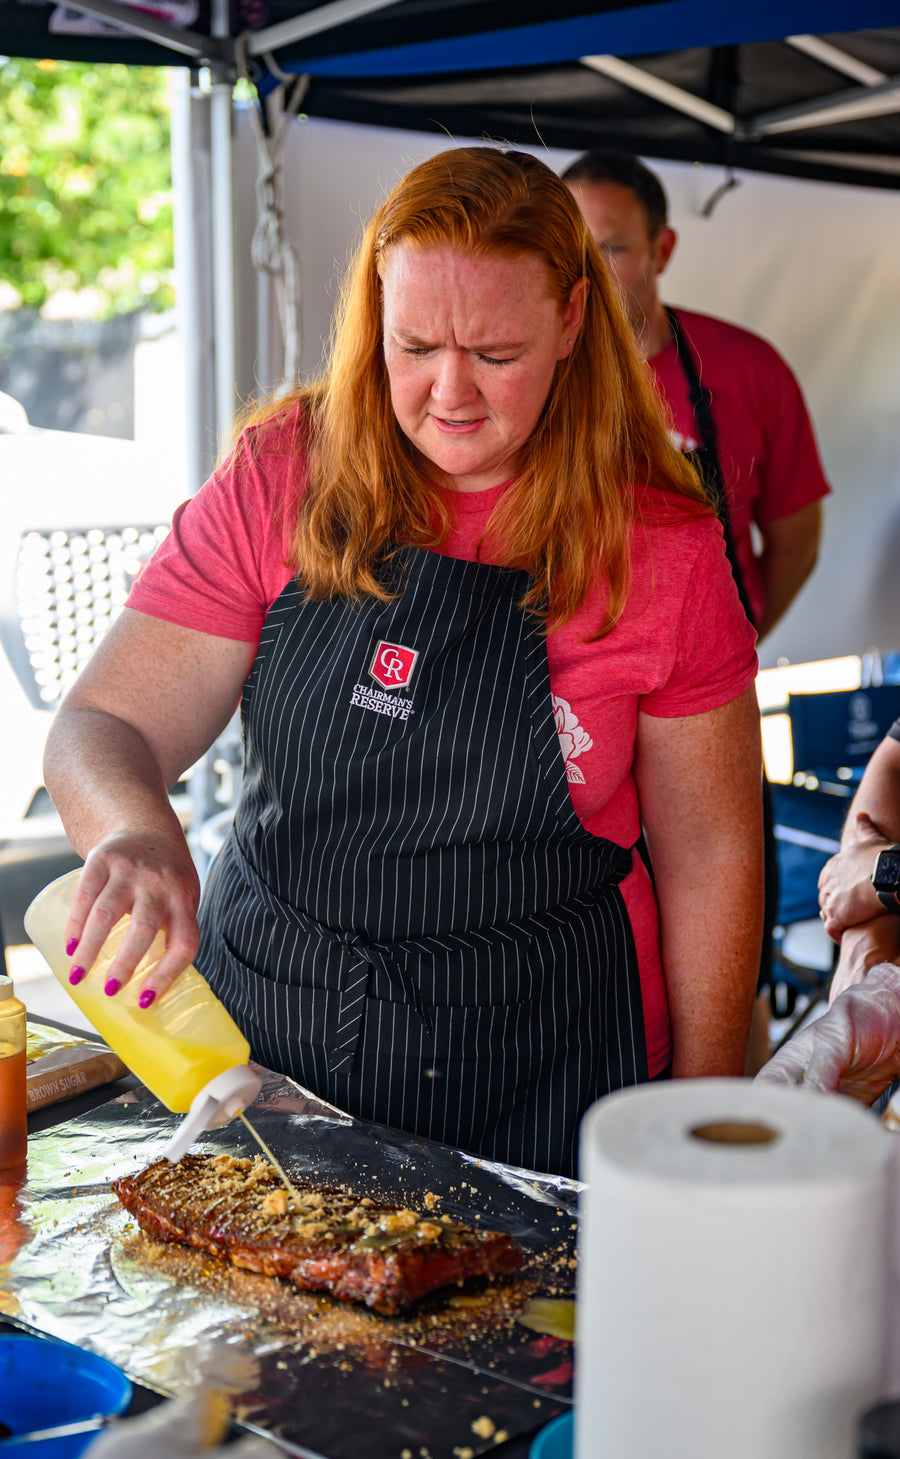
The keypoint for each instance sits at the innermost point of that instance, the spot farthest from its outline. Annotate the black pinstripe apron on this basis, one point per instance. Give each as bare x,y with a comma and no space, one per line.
408,916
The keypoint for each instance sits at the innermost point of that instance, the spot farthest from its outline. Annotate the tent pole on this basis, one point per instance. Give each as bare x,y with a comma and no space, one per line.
140,23
662,91
193,276
829,55
854,104
311,22
222,183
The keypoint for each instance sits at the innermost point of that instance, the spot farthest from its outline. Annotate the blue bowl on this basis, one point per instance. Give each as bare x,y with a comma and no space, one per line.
44,1383
556,1440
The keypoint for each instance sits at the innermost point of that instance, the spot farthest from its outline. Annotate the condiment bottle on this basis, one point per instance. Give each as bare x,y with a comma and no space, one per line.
182,1047
13,1104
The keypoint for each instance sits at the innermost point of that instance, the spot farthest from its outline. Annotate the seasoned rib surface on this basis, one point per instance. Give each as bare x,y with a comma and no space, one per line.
357,1249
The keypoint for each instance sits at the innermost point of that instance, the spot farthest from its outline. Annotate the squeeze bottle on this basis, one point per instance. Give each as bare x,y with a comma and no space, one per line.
13,1104
185,1047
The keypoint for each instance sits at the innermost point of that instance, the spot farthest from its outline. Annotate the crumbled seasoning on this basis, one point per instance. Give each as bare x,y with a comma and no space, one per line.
322,1329
484,1427
276,1202
317,1213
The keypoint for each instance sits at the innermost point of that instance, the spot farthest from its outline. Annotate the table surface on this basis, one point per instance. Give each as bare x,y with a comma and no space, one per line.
67,1109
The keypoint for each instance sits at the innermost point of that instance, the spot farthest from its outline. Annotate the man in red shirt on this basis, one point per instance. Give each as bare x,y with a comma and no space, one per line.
757,438
734,403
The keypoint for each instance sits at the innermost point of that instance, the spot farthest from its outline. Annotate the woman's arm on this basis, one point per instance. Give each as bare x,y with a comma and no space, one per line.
151,701
700,787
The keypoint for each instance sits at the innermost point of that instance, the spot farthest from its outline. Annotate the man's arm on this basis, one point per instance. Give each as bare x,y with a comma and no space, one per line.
863,948
846,894
789,553
853,915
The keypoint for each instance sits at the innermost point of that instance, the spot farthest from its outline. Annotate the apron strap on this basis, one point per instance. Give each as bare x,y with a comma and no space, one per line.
707,455
359,954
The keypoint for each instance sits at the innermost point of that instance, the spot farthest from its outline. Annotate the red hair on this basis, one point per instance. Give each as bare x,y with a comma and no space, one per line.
567,516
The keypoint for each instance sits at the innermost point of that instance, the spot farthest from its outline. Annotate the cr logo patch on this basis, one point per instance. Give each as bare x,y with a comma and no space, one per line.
392,665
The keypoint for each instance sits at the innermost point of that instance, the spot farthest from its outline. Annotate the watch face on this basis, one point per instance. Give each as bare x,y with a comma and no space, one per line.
887,870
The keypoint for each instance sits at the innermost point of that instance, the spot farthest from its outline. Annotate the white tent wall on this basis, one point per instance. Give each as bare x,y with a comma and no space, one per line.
811,266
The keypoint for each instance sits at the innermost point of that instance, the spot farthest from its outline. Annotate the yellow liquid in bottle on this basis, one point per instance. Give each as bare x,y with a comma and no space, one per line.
176,1045
295,1199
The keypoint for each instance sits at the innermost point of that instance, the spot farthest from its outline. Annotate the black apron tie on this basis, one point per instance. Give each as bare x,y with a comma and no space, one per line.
706,456
709,465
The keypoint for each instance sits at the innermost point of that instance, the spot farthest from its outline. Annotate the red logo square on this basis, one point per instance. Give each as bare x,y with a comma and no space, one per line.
392,665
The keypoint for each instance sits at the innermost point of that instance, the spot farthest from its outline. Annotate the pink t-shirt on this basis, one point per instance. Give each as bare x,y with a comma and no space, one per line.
766,445
683,645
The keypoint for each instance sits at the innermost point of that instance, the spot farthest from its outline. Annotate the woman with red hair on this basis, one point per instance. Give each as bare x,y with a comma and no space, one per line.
483,631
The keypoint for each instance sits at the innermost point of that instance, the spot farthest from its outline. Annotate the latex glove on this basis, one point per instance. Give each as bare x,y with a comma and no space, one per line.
852,1049
179,1429
846,894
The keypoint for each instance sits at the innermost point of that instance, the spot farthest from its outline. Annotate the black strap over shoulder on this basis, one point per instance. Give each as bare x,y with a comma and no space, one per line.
706,455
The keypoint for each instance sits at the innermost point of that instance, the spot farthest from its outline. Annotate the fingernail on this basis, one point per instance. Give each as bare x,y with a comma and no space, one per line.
71,946
76,975
112,986
146,998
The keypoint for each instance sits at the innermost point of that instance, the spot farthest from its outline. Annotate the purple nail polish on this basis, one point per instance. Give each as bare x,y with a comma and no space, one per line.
71,946
146,998
75,975
111,986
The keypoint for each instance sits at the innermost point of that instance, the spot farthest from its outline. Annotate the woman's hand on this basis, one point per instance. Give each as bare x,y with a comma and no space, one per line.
150,877
147,706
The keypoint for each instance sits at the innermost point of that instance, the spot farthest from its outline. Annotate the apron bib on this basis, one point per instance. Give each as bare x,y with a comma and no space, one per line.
408,917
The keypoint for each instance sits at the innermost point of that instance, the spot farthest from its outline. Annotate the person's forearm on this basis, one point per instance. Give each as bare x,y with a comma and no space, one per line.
878,795
783,573
862,948
103,778
699,782
711,934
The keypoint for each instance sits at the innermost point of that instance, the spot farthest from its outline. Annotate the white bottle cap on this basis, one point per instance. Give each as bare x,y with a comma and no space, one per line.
217,1103
6,987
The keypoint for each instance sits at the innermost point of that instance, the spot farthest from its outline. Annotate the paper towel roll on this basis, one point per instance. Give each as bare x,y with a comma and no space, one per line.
731,1284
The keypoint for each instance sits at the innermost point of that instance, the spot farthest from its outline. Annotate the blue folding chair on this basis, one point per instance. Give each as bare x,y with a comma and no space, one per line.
834,734
807,827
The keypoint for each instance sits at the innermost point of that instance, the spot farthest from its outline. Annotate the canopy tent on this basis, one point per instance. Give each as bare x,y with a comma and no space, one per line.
805,87
810,88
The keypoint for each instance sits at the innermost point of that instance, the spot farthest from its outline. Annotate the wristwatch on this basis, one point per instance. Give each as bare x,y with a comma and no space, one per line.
886,877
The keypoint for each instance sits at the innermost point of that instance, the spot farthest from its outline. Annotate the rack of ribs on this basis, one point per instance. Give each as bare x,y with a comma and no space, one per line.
357,1249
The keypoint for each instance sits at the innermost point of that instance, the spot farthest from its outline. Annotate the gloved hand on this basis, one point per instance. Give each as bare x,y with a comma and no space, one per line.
179,1429
852,1049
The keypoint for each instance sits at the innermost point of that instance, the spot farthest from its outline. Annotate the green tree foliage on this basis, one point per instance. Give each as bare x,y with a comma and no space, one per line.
86,183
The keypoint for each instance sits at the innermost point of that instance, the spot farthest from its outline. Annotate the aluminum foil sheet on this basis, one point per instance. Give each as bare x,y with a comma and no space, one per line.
325,1379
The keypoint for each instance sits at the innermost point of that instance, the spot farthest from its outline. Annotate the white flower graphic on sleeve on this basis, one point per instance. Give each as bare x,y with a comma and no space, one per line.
573,740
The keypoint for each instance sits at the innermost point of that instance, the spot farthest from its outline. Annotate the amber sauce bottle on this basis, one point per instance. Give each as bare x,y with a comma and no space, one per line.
13,1106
